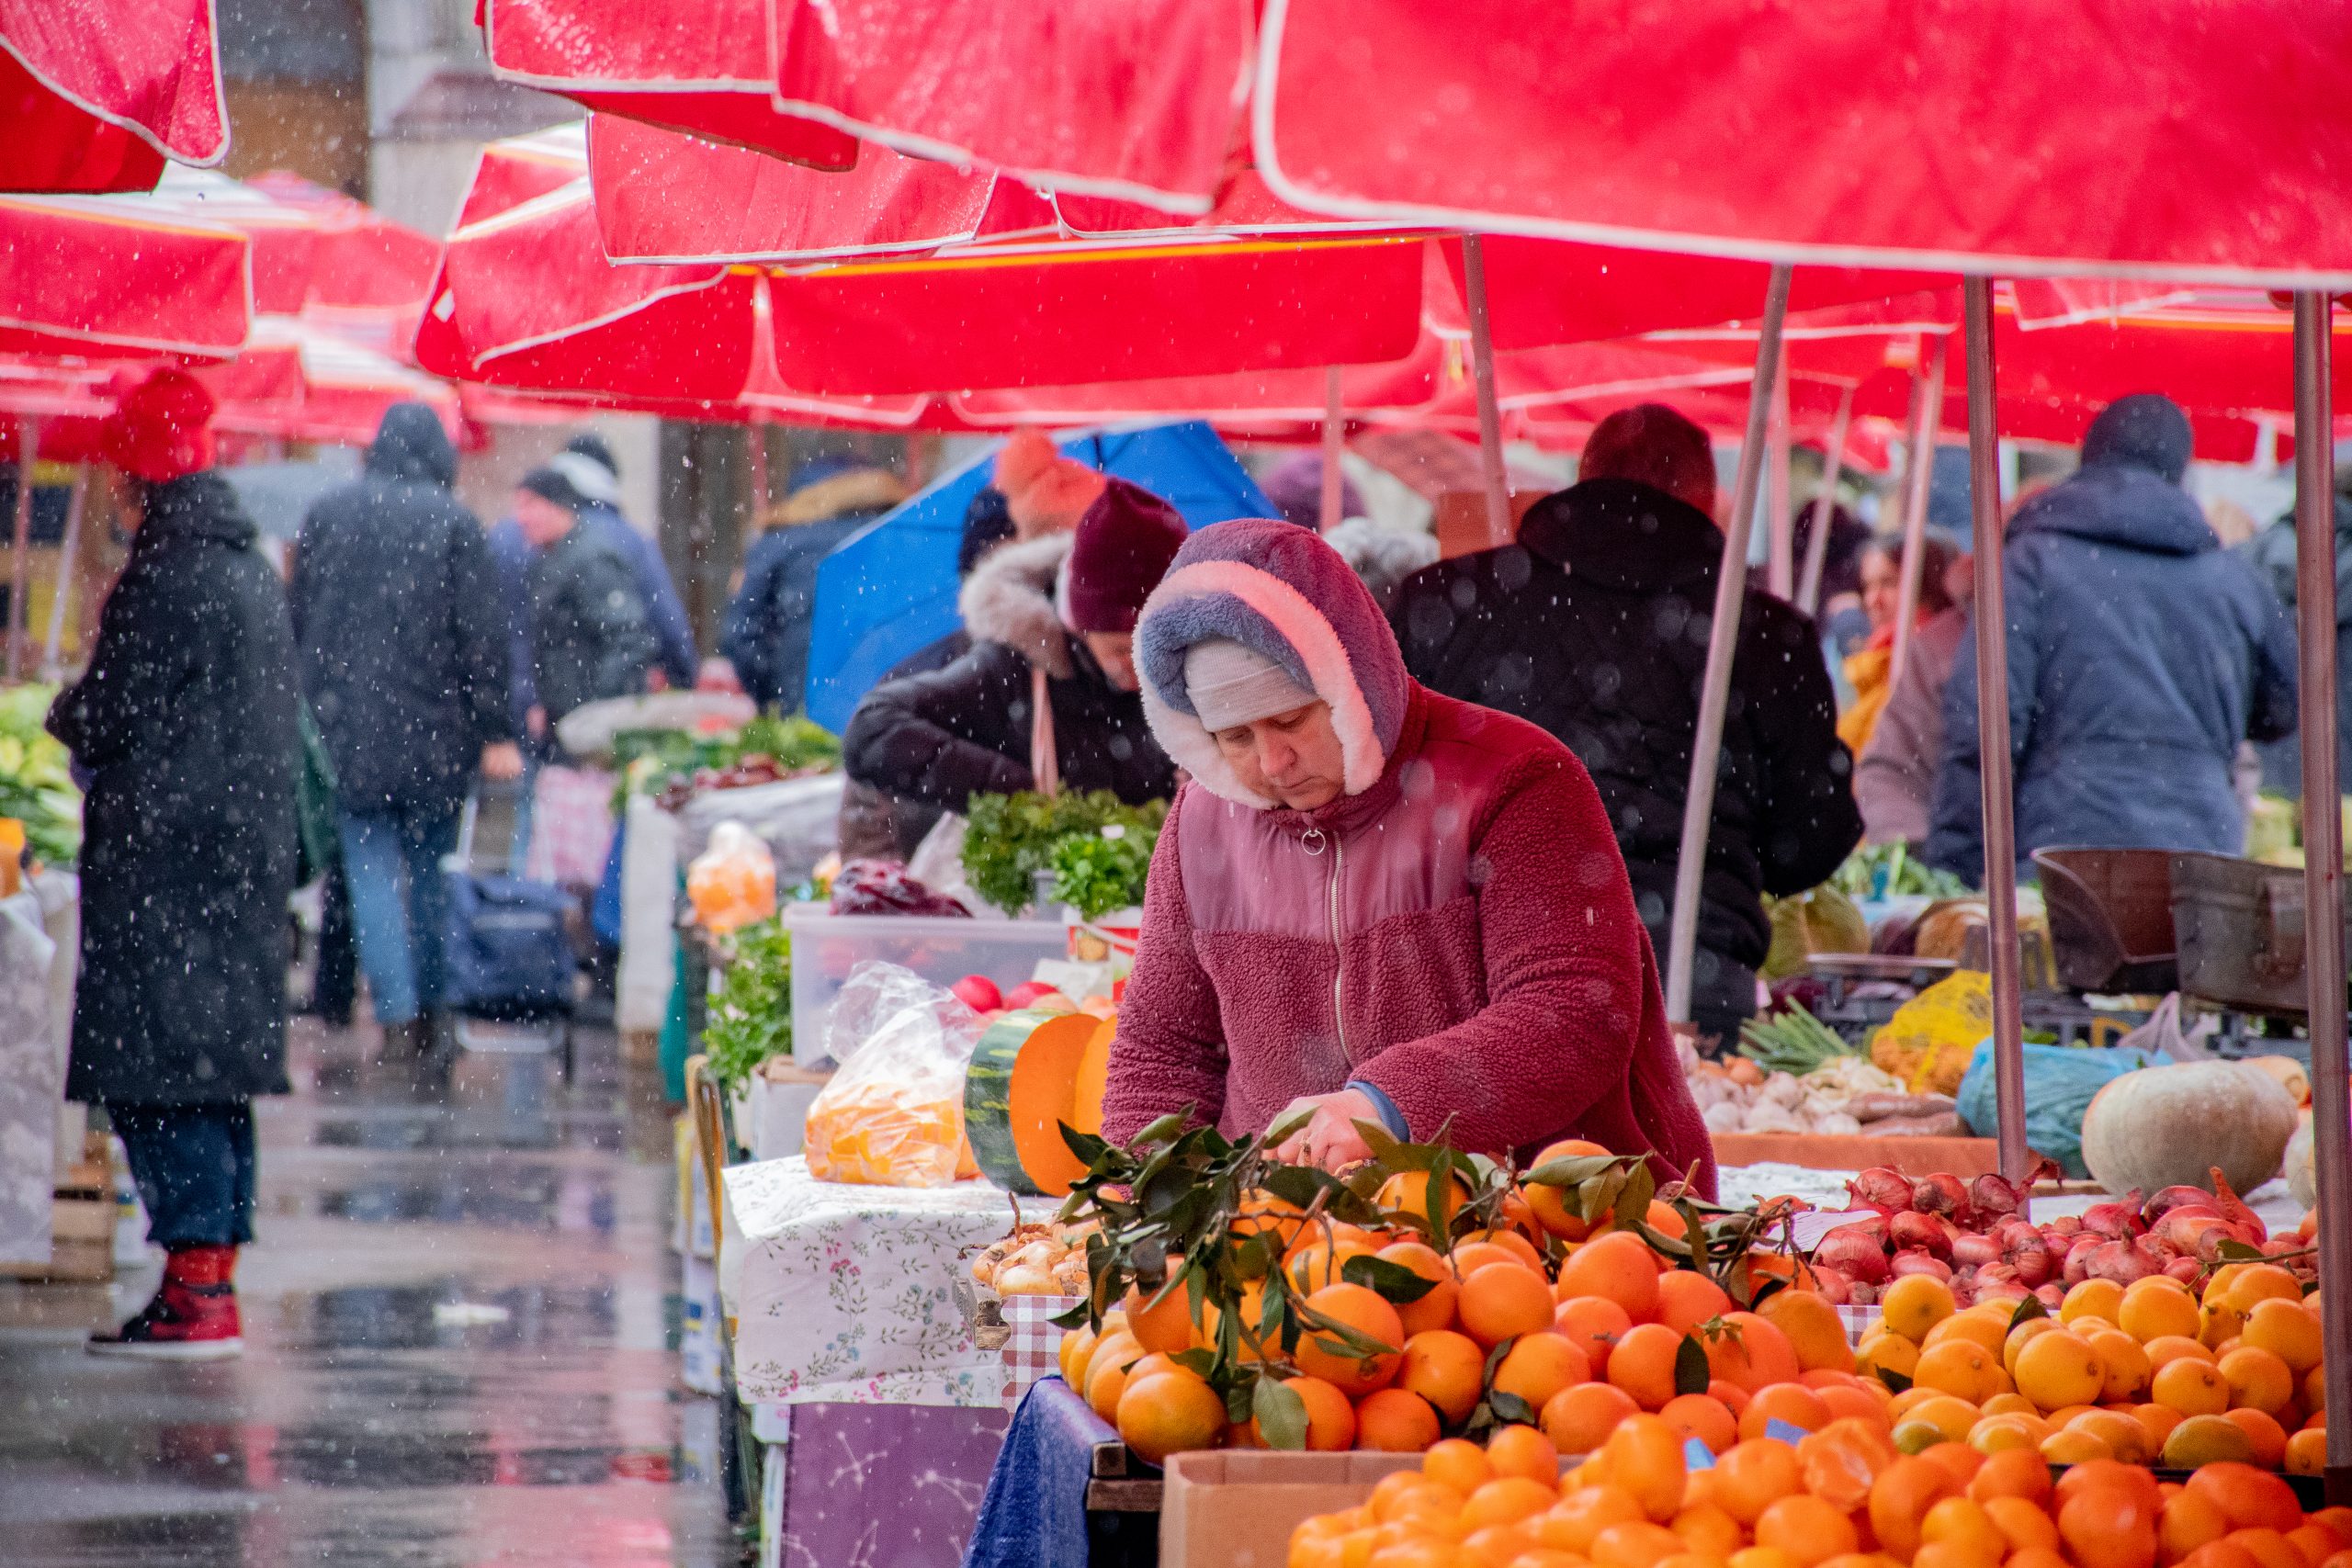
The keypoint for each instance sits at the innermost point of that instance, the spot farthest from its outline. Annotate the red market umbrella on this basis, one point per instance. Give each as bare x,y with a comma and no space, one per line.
95,95
2022,137
711,76
118,277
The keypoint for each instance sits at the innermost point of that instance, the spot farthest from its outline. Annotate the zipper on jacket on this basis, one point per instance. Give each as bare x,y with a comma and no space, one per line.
1339,953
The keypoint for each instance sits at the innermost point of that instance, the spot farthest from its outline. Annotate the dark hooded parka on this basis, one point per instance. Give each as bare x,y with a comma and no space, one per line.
186,726
2140,654
396,615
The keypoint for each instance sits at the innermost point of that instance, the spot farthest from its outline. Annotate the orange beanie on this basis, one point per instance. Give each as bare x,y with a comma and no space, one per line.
1045,491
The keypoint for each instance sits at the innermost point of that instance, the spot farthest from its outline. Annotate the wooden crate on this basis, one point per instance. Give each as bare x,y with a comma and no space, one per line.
1236,1508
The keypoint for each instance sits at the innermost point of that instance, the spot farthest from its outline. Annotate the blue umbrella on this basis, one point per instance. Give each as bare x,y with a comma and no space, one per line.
889,590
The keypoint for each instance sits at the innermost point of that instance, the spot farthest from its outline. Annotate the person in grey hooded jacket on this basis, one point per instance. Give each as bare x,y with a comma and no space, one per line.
2272,551
2140,654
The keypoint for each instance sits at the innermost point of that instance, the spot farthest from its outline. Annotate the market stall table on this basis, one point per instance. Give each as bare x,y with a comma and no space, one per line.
857,1359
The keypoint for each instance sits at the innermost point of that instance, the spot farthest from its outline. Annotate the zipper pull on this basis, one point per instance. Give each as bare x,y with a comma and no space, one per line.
1313,842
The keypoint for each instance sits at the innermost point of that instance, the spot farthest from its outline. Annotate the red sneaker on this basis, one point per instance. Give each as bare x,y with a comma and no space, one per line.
192,1318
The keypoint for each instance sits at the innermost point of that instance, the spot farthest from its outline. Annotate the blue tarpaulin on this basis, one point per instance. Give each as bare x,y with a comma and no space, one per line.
889,590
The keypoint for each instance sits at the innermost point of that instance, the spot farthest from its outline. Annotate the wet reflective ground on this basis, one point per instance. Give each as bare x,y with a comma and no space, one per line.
461,1328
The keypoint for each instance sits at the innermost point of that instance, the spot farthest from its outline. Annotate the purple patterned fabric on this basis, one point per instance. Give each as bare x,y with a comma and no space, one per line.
884,1485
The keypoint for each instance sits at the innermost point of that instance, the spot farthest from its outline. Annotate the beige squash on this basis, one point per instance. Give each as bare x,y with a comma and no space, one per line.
2170,1126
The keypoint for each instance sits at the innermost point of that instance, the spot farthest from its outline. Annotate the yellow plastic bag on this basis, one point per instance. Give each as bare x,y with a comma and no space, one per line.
893,1115
732,882
1929,1041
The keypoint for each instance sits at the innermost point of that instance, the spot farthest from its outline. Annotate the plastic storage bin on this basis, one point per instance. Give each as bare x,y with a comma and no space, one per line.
942,950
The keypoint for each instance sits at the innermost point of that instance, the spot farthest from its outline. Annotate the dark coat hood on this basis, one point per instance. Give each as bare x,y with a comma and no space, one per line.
410,445
1624,534
2120,503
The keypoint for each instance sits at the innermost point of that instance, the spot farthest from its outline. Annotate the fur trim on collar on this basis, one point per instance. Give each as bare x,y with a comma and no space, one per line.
1009,599
854,490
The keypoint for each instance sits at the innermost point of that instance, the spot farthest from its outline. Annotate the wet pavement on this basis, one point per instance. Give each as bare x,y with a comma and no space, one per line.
460,1327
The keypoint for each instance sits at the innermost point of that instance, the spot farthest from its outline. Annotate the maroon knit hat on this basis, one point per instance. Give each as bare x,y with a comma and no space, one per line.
1119,553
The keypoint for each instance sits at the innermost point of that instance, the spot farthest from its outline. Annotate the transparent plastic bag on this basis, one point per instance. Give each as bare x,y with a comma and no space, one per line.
892,1115
732,882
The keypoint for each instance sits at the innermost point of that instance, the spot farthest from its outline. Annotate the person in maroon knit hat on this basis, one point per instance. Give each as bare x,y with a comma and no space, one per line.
1051,618
185,724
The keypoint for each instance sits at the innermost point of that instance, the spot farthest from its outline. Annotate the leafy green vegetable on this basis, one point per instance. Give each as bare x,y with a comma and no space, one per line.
35,785
1011,838
1794,1042
1884,871
751,1016
1104,871
650,760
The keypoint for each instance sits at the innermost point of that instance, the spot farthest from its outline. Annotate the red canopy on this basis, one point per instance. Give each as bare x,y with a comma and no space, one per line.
95,94
710,75
2020,137
118,277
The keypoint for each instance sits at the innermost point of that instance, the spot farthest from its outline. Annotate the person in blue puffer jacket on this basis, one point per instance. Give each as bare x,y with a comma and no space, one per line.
2140,654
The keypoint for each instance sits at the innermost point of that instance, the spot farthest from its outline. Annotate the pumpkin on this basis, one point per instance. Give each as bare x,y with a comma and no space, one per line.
1019,1089
2170,1126
2289,1074
1093,1079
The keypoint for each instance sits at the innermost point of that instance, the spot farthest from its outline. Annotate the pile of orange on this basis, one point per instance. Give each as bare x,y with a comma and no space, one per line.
2148,1373
1590,1324
1840,1497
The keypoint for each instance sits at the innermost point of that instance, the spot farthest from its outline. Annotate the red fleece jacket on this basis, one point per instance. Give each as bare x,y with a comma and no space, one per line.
1460,935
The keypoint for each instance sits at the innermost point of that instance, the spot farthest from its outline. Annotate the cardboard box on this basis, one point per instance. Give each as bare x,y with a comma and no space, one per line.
1236,1508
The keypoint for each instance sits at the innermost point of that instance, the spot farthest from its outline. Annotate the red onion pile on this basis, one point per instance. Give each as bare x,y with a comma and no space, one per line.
1971,1234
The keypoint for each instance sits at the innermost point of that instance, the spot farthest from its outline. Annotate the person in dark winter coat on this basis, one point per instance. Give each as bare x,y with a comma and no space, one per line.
873,825
2272,552
768,621
588,462
1055,613
1371,902
590,637
2141,653
404,659
1594,626
185,724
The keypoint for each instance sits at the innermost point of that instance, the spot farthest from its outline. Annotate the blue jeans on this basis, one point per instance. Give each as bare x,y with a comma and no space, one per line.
400,903
193,1165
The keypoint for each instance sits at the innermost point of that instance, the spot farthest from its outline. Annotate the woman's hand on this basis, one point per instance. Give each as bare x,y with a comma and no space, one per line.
1330,1139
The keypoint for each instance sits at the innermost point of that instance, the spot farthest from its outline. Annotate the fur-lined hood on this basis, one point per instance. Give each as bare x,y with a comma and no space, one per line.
836,495
1009,599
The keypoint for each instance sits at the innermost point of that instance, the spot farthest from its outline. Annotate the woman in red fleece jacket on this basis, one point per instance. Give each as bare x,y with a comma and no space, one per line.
1373,900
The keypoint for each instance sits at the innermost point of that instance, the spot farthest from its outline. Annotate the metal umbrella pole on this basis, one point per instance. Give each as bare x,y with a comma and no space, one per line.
2323,860
1817,538
1722,641
1780,514
19,565
1992,728
1335,425
1918,475
1482,377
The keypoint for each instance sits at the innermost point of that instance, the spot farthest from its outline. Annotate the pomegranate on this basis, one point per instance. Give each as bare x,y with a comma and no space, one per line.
2184,1269
1908,1263
2119,1261
2064,1225
2051,1295
1854,1253
1830,1285
2029,1256
2172,1198
2118,1221
1941,1193
2077,1267
1918,1232
1888,1191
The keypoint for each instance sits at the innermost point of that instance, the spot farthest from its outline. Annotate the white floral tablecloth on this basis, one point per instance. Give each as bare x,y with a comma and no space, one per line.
846,1295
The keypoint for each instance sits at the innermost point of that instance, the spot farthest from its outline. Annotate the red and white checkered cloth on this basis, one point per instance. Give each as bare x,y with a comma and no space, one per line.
1857,1321
1035,1349
572,827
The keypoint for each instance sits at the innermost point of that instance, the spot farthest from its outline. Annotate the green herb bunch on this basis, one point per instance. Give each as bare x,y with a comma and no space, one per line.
36,786
1103,871
1008,838
750,1015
